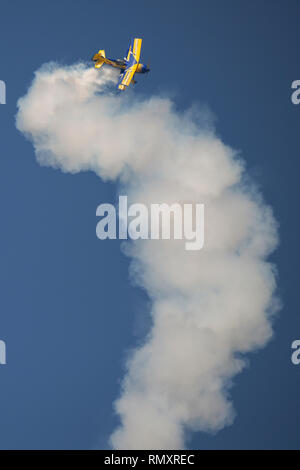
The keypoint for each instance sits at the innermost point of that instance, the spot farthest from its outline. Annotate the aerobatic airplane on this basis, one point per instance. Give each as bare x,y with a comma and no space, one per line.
128,66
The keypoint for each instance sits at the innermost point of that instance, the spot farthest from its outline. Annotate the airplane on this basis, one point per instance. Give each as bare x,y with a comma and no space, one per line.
128,66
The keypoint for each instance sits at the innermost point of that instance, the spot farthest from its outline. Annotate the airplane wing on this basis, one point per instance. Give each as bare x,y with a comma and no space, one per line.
128,54
136,46
127,76
133,58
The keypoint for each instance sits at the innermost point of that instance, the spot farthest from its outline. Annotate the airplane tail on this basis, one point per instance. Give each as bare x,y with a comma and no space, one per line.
99,59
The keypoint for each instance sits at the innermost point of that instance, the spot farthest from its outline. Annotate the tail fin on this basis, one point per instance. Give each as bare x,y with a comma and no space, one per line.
99,58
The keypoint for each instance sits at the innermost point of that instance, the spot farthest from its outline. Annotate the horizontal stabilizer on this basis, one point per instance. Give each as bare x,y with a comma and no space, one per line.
99,64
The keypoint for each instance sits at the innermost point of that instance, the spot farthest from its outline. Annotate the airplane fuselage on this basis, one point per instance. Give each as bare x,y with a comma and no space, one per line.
121,64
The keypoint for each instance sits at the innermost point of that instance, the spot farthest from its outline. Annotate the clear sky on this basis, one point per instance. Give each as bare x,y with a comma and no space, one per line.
67,310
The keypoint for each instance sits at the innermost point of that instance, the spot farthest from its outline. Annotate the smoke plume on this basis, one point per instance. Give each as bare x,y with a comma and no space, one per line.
209,307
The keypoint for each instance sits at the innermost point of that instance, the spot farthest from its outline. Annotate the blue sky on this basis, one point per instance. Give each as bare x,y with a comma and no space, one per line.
67,310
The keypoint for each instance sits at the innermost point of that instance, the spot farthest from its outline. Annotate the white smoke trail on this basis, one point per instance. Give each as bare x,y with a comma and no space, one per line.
208,307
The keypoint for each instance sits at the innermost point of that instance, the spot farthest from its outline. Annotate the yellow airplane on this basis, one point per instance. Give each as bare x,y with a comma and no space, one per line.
128,66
